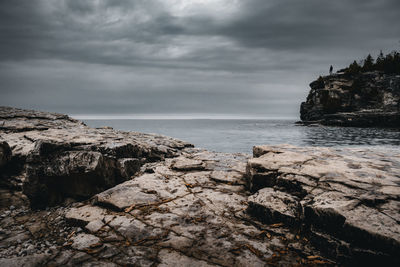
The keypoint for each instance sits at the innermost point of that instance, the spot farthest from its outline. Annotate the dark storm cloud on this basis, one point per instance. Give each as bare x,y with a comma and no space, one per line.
223,56
77,29
315,24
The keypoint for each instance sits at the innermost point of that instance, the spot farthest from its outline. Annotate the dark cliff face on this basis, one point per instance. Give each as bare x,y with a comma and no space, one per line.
364,99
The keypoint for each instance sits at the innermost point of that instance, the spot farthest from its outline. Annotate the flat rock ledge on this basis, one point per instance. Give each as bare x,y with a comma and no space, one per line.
54,157
71,195
348,200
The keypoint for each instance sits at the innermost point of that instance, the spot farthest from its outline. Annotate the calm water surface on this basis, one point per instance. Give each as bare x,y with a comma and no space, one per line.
241,135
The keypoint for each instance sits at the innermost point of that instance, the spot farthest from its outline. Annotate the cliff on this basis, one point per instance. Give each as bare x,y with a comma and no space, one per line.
71,195
366,99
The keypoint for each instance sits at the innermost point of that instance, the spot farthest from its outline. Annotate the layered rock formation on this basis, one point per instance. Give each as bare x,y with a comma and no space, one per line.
348,200
129,199
363,100
55,157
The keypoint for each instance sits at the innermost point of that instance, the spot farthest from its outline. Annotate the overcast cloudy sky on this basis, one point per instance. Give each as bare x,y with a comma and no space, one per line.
182,56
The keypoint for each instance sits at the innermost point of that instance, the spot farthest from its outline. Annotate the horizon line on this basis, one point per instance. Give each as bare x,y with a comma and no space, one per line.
178,117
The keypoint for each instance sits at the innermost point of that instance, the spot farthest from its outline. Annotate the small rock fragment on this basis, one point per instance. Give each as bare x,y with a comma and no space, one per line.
83,241
272,206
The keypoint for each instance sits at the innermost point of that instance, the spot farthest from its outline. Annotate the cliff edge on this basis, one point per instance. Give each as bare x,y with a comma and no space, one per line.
364,99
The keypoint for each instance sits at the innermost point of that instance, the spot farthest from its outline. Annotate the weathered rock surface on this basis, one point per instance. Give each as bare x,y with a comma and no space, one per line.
273,206
162,217
361,100
148,200
185,164
55,157
348,199
185,216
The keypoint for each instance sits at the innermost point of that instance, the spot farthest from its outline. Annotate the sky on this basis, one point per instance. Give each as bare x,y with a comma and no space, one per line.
249,57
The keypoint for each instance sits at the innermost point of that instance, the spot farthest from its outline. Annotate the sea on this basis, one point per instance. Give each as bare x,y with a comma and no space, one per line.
240,135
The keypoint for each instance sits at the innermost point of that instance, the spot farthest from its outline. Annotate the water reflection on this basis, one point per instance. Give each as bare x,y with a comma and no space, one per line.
349,136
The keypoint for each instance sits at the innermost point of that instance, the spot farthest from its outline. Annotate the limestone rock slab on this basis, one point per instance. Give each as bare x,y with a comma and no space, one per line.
84,241
146,189
186,164
64,158
227,177
125,195
350,194
85,214
273,206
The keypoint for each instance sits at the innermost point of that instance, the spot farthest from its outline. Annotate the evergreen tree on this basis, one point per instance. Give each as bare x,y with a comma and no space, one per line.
396,62
389,64
368,63
354,68
380,60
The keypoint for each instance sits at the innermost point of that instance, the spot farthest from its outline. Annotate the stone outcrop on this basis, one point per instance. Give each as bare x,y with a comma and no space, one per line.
348,200
55,157
370,99
116,198
165,216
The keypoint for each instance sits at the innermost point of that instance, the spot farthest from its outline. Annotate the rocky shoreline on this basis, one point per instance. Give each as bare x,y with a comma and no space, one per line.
369,99
73,195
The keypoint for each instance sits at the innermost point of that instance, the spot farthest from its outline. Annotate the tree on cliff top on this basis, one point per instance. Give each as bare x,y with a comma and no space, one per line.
392,63
380,61
368,64
389,64
354,68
